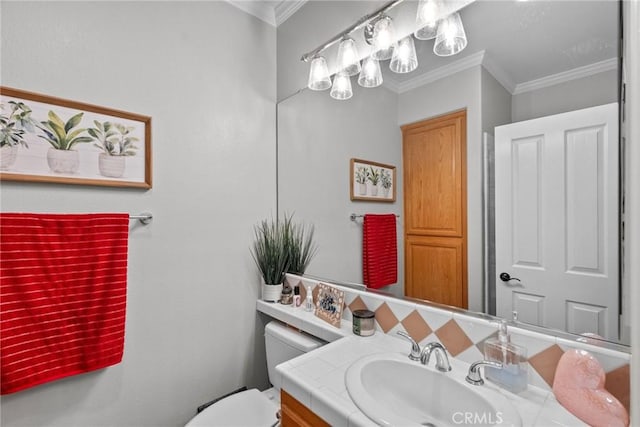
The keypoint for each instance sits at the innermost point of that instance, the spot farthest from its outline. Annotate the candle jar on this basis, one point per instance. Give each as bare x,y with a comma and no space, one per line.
363,322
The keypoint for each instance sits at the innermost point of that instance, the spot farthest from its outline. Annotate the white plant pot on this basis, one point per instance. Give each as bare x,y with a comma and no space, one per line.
374,190
8,155
111,166
362,189
385,192
271,293
63,161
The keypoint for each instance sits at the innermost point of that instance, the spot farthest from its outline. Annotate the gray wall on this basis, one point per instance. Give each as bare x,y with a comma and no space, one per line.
496,103
598,89
317,137
455,92
206,73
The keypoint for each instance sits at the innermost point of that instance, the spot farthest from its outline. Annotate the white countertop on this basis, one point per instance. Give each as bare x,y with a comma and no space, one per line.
316,379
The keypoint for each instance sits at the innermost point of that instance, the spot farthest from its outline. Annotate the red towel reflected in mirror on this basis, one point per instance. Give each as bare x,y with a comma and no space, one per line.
379,250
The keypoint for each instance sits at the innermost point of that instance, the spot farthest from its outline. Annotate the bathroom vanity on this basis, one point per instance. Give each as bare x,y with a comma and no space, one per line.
316,389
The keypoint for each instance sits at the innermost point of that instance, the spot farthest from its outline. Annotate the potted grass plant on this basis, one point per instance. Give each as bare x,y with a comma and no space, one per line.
301,247
269,251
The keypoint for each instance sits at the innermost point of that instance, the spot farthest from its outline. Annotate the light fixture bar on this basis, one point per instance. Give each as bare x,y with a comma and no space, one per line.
361,22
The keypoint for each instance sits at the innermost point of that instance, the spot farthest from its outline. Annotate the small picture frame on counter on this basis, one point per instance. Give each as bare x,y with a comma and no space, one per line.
329,304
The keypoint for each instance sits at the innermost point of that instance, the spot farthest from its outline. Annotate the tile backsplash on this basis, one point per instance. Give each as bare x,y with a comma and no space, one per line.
464,336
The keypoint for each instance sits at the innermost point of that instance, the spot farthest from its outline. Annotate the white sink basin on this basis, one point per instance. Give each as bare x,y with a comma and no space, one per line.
395,391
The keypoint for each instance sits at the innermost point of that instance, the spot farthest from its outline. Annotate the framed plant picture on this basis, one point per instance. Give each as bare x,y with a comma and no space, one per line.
329,304
372,181
47,139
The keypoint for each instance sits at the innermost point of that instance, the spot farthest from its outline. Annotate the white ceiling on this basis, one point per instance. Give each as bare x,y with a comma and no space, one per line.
522,43
529,40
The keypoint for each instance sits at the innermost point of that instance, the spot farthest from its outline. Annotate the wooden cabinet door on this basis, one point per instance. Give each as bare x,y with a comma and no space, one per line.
434,176
436,272
295,414
435,209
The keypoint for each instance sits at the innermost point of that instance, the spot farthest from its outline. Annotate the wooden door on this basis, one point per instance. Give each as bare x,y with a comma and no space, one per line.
557,207
435,209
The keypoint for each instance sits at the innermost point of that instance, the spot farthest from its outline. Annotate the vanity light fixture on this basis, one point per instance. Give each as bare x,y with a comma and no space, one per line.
404,58
383,38
348,59
380,34
426,20
341,88
451,37
371,75
319,74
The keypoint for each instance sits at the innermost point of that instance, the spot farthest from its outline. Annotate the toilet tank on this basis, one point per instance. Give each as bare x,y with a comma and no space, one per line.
284,343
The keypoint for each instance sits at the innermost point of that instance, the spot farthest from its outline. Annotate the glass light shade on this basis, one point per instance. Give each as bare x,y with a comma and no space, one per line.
404,58
371,75
348,60
341,88
319,74
451,38
384,37
426,19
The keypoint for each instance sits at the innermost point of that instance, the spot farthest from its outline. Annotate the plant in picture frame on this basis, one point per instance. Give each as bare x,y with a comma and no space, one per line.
63,137
13,127
361,179
374,177
116,143
385,181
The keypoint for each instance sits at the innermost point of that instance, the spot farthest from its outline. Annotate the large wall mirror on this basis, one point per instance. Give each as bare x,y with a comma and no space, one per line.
524,60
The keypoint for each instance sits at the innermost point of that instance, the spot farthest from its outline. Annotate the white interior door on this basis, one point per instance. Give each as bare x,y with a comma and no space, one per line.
556,182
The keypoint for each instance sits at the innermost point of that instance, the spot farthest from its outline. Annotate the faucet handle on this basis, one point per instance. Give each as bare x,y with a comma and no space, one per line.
474,377
415,348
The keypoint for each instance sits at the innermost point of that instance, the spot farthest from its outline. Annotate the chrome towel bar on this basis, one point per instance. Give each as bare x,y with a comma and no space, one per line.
144,217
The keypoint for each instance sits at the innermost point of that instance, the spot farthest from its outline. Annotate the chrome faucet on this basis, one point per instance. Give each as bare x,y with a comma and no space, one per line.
474,377
415,348
442,360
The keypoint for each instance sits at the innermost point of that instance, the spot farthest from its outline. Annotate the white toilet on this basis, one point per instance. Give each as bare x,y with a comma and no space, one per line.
252,407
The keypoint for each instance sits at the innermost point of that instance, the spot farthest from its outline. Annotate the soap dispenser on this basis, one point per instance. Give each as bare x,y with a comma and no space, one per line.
513,375
308,301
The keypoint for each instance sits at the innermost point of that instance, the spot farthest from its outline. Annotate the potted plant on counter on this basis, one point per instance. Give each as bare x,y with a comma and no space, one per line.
116,144
269,251
301,247
12,132
63,137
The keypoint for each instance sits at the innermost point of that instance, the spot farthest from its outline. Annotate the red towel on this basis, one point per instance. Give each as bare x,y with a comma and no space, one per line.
379,250
63,284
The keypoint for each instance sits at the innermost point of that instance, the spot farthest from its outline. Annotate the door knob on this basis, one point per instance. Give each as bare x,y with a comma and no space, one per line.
506,277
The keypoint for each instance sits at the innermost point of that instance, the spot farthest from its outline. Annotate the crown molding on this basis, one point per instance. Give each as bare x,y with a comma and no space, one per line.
565,76
434,75
286,8
258,9
265,11
391,84
498,73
